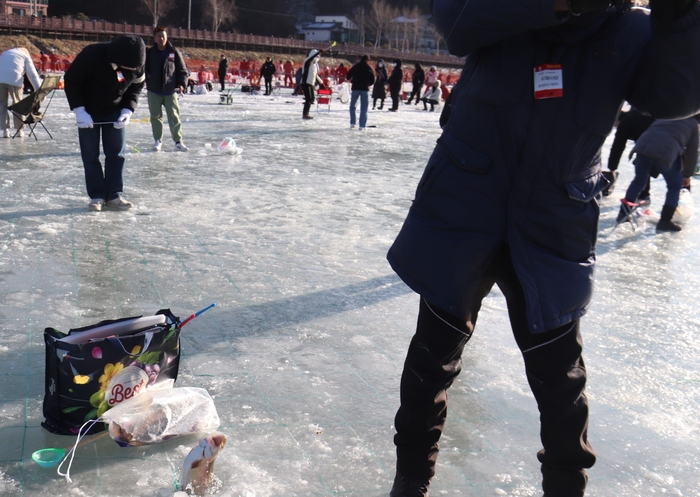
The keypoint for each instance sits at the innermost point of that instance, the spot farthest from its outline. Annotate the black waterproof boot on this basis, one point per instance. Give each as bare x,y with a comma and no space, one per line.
406,487
665,223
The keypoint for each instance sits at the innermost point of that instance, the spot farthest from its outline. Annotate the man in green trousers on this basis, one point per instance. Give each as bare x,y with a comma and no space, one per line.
166,74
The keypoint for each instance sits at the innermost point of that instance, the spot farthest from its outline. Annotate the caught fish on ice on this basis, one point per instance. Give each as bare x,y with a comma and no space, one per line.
198,468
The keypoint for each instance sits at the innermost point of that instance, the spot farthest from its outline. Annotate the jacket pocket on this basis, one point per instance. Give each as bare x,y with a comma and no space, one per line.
588,188
463,155
451,152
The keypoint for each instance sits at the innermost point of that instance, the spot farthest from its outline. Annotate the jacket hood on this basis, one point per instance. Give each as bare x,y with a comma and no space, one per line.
127,51
313,53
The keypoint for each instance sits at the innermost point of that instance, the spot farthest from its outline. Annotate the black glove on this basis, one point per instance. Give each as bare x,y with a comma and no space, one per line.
578,7
665,11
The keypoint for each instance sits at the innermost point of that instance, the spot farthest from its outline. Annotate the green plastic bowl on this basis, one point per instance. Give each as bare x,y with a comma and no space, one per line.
48,458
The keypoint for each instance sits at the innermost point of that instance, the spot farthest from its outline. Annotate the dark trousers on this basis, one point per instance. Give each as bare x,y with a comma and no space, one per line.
415,93
309,97
107,184
432,103
222,80
268,85
643,166
395,97
555,372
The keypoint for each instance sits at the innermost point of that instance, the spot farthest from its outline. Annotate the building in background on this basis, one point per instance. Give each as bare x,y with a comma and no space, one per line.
331,28
36,8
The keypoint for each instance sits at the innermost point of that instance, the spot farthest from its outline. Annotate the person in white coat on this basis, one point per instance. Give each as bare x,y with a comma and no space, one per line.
309,78
432,96
14,64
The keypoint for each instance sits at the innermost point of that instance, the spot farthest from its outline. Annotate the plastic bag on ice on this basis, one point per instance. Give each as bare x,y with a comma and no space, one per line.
228,146
159,415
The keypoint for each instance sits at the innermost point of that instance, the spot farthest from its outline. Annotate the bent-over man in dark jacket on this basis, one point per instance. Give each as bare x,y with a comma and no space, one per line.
102,87
510,197
671,147
166,74
631,125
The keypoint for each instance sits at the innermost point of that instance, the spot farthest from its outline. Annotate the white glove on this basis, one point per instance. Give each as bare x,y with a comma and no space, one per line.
124,119
82,117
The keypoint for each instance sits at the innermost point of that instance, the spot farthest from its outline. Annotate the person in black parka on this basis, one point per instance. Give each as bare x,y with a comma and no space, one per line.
267,71
223,69
102,88
395,84
379,88
417,79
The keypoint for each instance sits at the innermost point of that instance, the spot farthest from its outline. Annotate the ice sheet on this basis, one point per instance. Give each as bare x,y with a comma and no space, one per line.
304,350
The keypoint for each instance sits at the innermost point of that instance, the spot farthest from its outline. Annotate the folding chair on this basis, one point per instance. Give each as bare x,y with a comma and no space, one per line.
323,97
27,109
631,212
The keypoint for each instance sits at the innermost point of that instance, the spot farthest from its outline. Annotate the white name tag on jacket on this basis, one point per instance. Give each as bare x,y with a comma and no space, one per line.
171,56
549,81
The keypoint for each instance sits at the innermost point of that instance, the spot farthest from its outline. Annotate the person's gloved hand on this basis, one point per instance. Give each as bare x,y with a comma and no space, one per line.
665,11
124,119
578,7
83,119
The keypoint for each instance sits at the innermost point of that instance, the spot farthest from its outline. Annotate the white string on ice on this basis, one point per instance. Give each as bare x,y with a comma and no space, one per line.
71,452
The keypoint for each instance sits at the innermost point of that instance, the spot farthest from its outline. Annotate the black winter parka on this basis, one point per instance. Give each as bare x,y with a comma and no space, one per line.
99,81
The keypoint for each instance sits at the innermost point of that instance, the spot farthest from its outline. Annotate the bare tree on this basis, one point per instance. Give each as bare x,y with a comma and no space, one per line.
219,12
360,18
158,8
379,15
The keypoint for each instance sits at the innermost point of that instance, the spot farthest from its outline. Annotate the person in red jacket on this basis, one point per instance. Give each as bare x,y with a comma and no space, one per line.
44,63
341,73
289,74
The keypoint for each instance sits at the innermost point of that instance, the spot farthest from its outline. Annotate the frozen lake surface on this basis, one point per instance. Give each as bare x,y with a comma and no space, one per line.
304,350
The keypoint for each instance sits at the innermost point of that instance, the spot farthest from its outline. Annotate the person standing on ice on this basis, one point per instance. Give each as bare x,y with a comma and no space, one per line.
379,88
361,76
309,79
223,70
267,72
417,79
510,197
671,147
395,85
15,64
102,87
166,74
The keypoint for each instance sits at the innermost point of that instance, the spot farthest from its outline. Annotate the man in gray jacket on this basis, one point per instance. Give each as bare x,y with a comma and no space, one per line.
166,74
672,148
15,63
510,197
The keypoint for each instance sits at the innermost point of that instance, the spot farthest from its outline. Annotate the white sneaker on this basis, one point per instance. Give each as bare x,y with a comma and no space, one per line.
119,203
96,204
157,145
20,133
6,134
352,126
181,147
